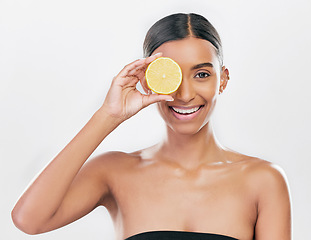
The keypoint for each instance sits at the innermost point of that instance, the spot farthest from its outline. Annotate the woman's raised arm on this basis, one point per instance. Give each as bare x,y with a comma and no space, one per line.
68,188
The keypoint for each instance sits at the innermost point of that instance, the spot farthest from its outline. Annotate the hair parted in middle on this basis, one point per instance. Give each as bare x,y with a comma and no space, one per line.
179,26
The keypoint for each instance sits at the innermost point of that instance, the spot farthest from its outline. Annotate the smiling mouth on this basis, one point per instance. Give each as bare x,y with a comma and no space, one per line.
186,111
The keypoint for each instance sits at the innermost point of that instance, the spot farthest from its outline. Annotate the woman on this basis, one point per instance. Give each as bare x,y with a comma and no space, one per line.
186,187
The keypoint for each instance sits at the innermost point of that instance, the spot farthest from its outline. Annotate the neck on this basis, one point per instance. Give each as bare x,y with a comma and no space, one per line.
193,150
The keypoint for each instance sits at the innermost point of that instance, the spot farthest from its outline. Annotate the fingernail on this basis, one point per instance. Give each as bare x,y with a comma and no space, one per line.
157,54
169,100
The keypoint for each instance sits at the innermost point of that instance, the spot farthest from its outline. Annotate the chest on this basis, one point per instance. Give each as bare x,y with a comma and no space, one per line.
181,199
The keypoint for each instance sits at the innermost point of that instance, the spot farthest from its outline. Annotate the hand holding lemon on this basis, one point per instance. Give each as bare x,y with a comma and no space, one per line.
123,100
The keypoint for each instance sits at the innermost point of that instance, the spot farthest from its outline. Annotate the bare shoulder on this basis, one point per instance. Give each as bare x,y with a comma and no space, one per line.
268,185
263,175
113,160
264,172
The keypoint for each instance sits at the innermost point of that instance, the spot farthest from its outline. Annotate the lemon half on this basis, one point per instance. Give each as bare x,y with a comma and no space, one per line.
163,75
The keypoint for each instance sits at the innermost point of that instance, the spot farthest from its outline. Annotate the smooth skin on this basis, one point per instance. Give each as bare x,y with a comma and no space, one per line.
188,182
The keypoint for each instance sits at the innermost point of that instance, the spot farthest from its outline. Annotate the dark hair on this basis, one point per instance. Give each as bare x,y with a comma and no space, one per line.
179,26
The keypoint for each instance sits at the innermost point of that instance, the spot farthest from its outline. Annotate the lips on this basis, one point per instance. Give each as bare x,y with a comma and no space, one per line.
185,110
185,113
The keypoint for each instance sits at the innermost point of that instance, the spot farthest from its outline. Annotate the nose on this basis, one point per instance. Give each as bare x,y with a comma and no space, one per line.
185,92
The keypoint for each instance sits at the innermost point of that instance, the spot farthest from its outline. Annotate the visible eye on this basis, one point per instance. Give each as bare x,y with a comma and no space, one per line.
202,75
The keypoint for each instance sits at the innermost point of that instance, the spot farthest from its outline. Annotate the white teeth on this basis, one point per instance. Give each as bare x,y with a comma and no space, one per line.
185,111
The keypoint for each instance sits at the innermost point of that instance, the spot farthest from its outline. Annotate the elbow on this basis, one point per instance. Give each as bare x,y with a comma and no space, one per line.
24,223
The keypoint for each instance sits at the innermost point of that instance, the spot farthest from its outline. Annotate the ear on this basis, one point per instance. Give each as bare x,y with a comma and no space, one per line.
224,78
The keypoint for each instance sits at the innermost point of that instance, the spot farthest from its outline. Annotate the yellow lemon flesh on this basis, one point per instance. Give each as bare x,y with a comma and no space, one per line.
163,75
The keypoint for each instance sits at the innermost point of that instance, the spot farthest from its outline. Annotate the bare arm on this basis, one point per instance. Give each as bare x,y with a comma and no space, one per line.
67,188
274,210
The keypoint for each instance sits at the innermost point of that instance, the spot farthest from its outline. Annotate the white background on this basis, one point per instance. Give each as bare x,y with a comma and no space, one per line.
57,59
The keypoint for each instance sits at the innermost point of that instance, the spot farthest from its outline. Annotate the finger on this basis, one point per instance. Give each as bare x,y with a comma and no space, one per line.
137,70
144,66
139,64
153,98
136,77
125,71
130,81
144,84
139,73
153,57
130,71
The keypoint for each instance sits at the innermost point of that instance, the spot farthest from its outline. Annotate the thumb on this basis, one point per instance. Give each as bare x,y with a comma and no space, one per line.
153,98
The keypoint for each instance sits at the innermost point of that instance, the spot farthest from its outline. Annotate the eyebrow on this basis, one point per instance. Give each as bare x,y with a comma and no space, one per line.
201,65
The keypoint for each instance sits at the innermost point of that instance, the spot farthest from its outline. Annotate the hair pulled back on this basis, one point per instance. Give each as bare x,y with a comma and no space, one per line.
179,26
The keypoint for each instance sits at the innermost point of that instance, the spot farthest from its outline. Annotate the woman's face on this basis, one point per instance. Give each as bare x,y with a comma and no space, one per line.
195,99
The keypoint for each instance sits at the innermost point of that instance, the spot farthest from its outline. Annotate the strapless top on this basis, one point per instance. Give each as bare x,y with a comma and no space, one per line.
178,235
